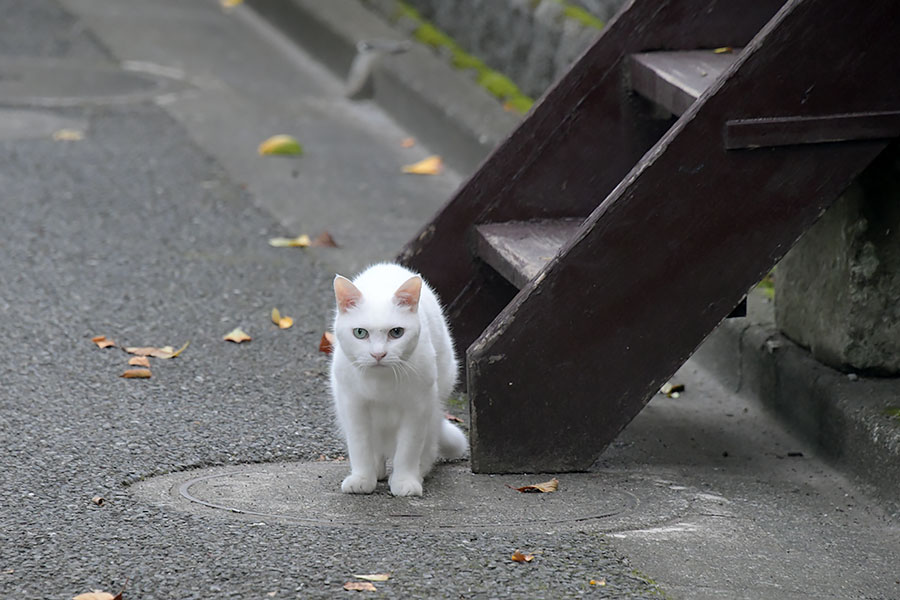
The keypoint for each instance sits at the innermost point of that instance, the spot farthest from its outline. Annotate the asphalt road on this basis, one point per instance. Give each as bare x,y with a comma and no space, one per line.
151,228
140,232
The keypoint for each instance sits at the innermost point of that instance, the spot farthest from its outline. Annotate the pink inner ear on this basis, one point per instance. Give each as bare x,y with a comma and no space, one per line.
408,293
346,294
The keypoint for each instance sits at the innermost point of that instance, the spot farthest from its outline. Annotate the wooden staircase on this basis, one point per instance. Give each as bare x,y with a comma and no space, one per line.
641,198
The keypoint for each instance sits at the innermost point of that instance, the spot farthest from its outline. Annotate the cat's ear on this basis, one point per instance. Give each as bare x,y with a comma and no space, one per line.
346,294
408,293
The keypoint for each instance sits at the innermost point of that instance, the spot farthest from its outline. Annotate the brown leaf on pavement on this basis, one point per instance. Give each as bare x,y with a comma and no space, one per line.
164,352
326,344
102,341
136,374
281,321
375,577
521,558
237,335
97,595
408,142
360,586
539,488
324,240
139,361
452,418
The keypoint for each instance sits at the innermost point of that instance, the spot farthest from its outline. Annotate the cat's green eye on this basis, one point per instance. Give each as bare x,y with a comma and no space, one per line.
360,333
396,332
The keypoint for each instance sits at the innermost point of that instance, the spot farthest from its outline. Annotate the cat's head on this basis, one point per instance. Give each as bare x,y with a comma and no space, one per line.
377,328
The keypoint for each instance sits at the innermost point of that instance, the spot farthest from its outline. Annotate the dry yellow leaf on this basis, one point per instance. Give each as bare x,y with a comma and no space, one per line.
68,135
237,335
301,241
230,3
427,166
95,595
164,352
600,582
102,341
136,374
520,557
539,488
281,321
723,50
139,361
360,586
285,145
375,577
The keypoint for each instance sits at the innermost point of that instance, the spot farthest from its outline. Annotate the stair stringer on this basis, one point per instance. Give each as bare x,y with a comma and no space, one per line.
578,142
581,350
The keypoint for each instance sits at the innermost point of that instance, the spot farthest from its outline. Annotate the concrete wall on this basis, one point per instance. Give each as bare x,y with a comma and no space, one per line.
530,41
838,289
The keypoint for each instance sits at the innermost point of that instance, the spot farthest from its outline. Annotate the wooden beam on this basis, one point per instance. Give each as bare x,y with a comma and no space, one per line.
785,131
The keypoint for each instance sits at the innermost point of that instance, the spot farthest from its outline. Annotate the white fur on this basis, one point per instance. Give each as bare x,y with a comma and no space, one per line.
392,407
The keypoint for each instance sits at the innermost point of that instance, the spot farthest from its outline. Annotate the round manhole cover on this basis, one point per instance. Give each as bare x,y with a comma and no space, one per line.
455,498
54,83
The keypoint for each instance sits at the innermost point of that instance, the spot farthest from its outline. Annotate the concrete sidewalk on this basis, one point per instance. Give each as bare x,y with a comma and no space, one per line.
219,474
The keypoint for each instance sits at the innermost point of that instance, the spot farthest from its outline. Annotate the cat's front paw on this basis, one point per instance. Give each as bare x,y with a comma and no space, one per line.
358,484
406,486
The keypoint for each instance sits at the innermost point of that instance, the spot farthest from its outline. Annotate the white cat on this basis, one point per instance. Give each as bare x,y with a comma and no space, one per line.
392,369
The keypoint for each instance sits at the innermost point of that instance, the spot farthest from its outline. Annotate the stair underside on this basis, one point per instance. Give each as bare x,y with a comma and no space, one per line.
674,80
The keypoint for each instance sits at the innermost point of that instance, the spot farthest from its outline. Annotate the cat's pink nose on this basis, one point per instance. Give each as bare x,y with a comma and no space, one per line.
378,355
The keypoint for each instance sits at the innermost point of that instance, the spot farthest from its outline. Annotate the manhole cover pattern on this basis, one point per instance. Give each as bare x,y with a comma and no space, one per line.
455,498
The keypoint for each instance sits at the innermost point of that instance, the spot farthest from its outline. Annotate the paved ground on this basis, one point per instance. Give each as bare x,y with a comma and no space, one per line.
152,230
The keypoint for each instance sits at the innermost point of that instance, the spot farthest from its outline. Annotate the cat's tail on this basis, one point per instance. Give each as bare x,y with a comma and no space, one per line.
452,442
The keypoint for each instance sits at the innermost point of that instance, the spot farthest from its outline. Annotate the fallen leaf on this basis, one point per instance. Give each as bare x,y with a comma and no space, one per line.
282,322
375,577
520,558
600,582
427,166
453,418
230,3
672,390
237,335
179,351
360,586
98,500
326,344
164,352
102,341
539,488
301,241
408,142
285,145
324,240
96,595
68,135
723,50
139,361
136,374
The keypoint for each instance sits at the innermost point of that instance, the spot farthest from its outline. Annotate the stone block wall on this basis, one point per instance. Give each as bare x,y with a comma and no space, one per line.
838,289
532,42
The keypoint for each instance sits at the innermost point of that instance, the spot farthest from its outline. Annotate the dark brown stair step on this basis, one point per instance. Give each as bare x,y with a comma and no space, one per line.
518,250
674,80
